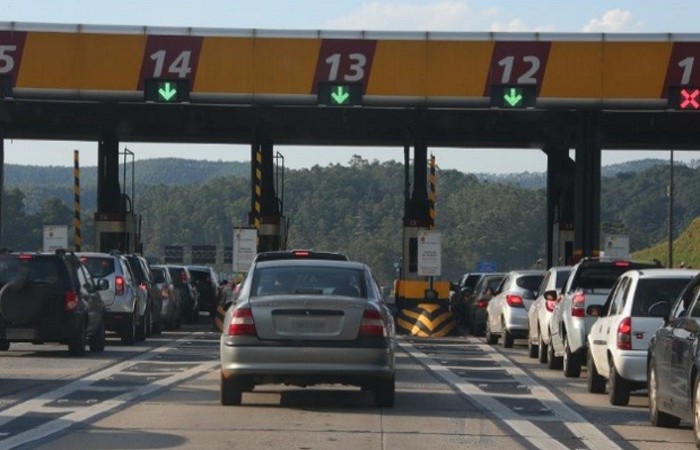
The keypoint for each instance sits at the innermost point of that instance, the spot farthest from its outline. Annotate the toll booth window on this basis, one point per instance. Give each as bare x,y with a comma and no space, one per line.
114,241
413,255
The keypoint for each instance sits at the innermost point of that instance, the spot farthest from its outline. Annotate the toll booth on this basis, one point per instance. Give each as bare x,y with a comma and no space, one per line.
118,231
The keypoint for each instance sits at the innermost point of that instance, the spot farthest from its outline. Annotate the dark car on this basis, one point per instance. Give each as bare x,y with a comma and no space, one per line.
50,297
479,300
206,281
187,294
461,294
673,361
144,280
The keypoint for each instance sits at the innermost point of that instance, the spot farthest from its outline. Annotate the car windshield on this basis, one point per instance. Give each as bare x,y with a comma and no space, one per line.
650,291
529,282
98,267
158,274
200,276
38,269
309,280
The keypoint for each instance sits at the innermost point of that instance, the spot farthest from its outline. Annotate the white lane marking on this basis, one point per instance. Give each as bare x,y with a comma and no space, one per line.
82,413
586,432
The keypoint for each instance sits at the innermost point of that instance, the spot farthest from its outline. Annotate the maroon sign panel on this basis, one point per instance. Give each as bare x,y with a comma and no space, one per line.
344,61
517,63
171,57
683,66
11,50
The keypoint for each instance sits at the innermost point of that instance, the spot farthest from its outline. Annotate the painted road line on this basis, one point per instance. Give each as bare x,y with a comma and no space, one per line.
82,413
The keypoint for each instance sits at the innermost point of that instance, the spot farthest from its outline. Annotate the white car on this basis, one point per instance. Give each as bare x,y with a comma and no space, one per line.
618,341
507,310
541,311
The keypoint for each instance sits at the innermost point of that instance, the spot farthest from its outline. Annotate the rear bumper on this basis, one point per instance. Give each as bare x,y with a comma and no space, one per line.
115,321
516,321
54,331
277,362
632,365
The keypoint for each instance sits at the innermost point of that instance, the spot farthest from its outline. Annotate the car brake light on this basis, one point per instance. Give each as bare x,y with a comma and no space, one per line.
622,263
242,323
164,292
26,257
624,334
515,301
482,304
301,254
372,324
119,285
70,300
550,305
578,305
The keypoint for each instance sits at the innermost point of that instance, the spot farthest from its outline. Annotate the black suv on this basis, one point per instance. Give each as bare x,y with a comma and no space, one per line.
50,297
206,281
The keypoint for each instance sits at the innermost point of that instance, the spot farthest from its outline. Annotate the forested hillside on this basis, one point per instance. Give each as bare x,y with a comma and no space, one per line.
355,208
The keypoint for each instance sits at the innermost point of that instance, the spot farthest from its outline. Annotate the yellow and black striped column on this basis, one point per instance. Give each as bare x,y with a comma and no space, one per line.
76,199
432,179
257,187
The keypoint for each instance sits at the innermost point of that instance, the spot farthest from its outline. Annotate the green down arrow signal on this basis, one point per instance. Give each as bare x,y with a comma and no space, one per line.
167,92
341,95
513,97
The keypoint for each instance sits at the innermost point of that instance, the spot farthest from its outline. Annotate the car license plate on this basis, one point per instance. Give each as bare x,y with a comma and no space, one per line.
308,325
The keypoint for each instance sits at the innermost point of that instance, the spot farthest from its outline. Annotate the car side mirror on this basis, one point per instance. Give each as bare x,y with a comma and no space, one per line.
660,309
595,310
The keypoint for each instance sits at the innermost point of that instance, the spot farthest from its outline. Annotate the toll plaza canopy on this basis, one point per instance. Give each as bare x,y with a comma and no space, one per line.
85,67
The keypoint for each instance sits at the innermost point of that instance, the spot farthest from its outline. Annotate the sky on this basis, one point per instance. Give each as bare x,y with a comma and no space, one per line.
587,16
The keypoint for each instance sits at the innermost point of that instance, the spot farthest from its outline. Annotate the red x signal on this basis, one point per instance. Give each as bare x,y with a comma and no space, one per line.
689,99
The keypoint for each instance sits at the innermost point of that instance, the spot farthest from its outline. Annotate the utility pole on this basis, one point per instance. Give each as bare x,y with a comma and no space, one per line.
670,213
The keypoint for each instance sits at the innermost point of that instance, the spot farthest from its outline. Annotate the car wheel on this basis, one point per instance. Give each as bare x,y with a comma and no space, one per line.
384,393
76,345
142,329
619,387
541,349
532,349
595,383
659,418
507,337
98,339
553,362
4,345
128,334
491,339
231,391
571,364
158,325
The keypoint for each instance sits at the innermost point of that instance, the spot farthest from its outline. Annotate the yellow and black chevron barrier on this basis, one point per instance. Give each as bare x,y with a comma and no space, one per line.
419,317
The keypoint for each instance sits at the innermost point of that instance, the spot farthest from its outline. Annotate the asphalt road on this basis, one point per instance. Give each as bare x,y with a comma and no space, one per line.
452,393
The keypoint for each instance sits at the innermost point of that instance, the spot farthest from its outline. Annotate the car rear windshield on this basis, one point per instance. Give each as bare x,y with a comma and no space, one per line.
562,277
37,268
136,268
200,276
309,280
472,280
651,290
178,275
99,267
529,282
601,275
158,274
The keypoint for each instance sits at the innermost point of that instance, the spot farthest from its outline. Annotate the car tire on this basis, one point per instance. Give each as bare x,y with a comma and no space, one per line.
595,382
76,345
4,345
658,418
128,334
384,393
553,362
491,338
142,329
532,349
231,391
541,349
571,363
98,339
508,339
619,389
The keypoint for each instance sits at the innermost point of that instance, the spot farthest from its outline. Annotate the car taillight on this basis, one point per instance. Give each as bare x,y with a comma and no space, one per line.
482,304
119,285
372,324
183,277
70,300
143,286
515,301
164,292
578,305
622,263
242,323
624,334
550,305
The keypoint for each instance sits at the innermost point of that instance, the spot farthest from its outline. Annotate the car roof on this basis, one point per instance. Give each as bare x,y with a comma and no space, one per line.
300,254
666,273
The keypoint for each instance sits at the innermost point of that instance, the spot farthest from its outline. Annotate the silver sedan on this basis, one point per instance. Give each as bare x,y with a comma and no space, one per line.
304,321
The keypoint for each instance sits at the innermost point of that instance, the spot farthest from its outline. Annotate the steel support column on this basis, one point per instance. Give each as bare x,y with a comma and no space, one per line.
560,203
2,190
587,186
109,198
266,214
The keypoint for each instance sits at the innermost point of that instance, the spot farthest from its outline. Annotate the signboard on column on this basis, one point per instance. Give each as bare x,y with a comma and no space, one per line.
617,246
429,253
245,247
55,237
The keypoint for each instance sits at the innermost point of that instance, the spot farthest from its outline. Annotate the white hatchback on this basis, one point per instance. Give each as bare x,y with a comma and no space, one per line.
618,341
